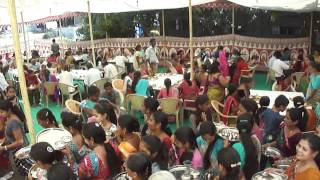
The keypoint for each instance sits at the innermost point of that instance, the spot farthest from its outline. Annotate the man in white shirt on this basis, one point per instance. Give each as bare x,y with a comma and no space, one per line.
270,62
92,76
3,82
278,66
110,70
151,55
66,77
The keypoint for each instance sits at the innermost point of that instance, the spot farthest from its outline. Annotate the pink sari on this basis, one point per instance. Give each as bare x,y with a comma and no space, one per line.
224,67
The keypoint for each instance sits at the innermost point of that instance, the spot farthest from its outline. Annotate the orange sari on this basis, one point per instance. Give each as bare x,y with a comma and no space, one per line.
310,173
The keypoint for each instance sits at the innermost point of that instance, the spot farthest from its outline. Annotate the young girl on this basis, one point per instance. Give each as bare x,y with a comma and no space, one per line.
209,144
127,135
46,119
138,166
168,91
157,152
106,117
45,157
246,147
150,105
231,104
185,141
202,113
102,162
229,164
264,104
73,124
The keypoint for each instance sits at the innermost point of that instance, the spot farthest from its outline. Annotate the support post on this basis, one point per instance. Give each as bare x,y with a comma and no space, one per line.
22,80
91,34
311,32
190,38
163,25
24,37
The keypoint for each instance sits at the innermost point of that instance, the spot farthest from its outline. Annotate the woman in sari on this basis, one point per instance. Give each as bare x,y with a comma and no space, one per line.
231,104
216,83
290,134
306,165
313,93
102,162
241,65
140,86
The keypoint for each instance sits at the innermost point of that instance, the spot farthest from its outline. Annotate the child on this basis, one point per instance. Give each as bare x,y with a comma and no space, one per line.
209,145
272,119
202,113
87,105
185,141
264,104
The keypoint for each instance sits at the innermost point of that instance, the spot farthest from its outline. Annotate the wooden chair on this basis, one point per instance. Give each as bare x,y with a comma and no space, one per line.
249,73
134,103
232,120
172,106
49,90
65,91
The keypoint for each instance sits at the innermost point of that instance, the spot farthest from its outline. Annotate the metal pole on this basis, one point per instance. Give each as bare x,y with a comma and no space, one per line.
60,30
163,26
190,38
233,19
311,27
91,34
24,37
22,80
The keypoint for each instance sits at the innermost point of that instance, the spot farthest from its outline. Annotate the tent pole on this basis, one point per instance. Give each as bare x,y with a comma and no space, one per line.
190,38
60,30
233,25
311,27
24,37
91,34
22,80
163,26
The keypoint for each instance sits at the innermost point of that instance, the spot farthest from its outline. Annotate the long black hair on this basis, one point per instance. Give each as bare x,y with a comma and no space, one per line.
8,106
314,143
298,102
46,114
244,125
186,135
230,160
167,83
251,106
136,78
296,115
129,123
140,164
155,146
103,107
71,120
208,128
264,103
95,131
162,118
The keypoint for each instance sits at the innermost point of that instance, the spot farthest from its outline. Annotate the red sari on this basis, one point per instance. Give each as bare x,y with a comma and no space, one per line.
230,103
241,65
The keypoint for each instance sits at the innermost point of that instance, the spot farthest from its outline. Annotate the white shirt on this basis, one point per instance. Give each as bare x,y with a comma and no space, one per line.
66,77
270,62
120,62
110,71
278,66
3,83
151,54
92,76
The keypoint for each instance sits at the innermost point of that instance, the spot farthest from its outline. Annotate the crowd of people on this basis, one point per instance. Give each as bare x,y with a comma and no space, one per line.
108,141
